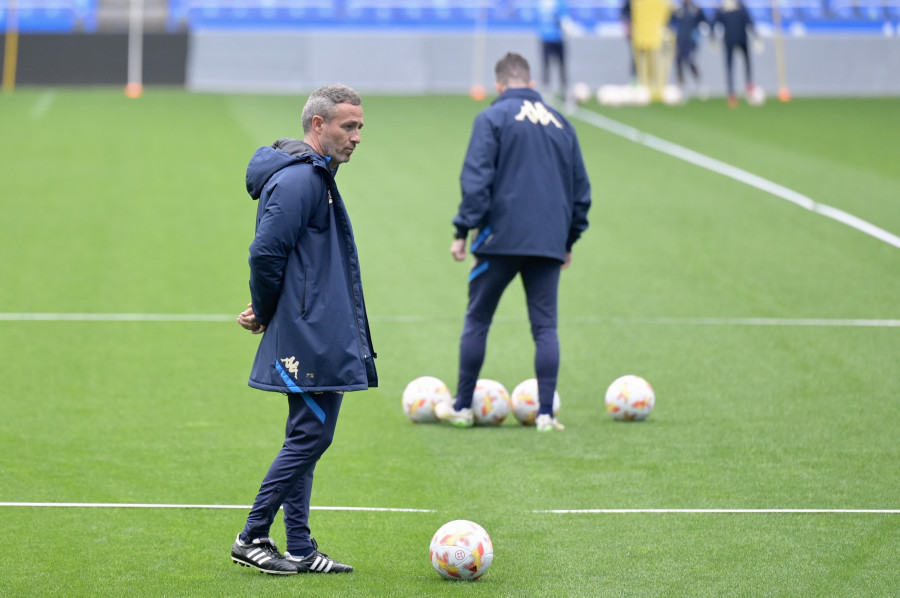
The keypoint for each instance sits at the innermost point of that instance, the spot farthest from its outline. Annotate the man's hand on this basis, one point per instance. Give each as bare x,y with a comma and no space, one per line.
458,249
568,261
247,320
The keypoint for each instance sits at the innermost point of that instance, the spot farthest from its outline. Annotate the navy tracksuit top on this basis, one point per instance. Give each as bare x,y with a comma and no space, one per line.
524,183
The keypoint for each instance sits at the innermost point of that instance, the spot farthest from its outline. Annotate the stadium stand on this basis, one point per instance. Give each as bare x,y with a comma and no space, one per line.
65,16
50,16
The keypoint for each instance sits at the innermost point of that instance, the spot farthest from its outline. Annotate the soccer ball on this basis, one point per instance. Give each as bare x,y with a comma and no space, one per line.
639,95
610,95
756,96
672,95
581,92
420,396
490,403
630,398
461,550
525,403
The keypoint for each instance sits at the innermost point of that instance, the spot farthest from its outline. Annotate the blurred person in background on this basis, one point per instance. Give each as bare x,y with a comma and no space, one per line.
686,21
553,21
307,301
526,190
649,20
735,22
625,17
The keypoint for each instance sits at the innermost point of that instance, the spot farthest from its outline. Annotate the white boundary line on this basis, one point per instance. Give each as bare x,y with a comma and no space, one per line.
703,161
109,505
100,505
42,105
84,317
413,319
719,511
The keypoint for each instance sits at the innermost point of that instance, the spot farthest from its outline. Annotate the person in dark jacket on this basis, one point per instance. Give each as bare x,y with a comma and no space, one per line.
307,302
686,21
736,22
551,16
525,188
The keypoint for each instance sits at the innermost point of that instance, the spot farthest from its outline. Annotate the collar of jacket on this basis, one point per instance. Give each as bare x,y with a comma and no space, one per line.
301,149
525,93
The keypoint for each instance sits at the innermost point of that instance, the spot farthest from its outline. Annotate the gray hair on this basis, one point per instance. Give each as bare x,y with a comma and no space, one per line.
512,68
322,102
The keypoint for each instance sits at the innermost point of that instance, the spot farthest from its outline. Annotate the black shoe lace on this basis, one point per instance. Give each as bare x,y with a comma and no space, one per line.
316,550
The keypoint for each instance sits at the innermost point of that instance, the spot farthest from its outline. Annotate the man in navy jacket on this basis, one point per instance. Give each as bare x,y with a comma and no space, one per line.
686,20
736,23
526,190
307,299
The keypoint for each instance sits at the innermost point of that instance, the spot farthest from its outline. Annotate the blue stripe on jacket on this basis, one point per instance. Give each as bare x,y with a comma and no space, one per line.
320,414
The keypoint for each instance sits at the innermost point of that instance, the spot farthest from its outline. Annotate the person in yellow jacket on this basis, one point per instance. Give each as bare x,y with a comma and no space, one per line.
650,43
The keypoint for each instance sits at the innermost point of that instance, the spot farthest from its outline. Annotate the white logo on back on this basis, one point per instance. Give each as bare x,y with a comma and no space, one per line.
537,113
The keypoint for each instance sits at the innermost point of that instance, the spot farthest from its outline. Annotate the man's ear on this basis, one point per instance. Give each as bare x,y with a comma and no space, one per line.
317,122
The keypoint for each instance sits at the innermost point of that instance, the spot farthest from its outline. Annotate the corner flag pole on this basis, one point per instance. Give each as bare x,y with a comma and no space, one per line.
135,86
11,47
784,93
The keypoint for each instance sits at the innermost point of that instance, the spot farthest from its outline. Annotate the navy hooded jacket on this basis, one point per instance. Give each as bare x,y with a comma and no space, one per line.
524,184
305,278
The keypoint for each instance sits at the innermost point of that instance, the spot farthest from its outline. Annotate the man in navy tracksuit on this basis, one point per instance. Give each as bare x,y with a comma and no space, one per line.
686,20
550,17
526,190
307,299
736,21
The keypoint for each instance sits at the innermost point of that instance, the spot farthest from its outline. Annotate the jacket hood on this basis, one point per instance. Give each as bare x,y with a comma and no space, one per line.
268,160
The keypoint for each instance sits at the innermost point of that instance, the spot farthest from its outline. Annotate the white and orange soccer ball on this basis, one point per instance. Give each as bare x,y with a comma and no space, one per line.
420,396
630,398
581,92
461,549
524,402
756,95
490,403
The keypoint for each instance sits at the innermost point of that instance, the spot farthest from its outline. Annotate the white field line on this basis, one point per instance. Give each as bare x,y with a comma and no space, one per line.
85,317
42,105
720,511
106,505
80,505
419,319
703,161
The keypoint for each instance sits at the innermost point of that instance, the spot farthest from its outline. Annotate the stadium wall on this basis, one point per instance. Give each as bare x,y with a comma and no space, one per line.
97,58
274,61
385,61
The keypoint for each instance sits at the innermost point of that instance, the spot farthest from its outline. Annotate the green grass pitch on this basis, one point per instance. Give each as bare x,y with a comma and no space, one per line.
118,206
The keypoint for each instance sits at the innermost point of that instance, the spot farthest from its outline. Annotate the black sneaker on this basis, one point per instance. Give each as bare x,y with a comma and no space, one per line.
317,562
261,554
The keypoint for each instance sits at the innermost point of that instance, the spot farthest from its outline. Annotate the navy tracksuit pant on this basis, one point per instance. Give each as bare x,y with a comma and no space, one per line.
308,433
487,281
729,64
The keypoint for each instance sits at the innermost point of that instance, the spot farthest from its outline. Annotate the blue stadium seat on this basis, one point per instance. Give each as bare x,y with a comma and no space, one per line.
892,7
53,16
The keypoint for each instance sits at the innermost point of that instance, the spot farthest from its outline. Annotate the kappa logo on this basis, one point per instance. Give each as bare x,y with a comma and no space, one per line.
291,365
538,114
